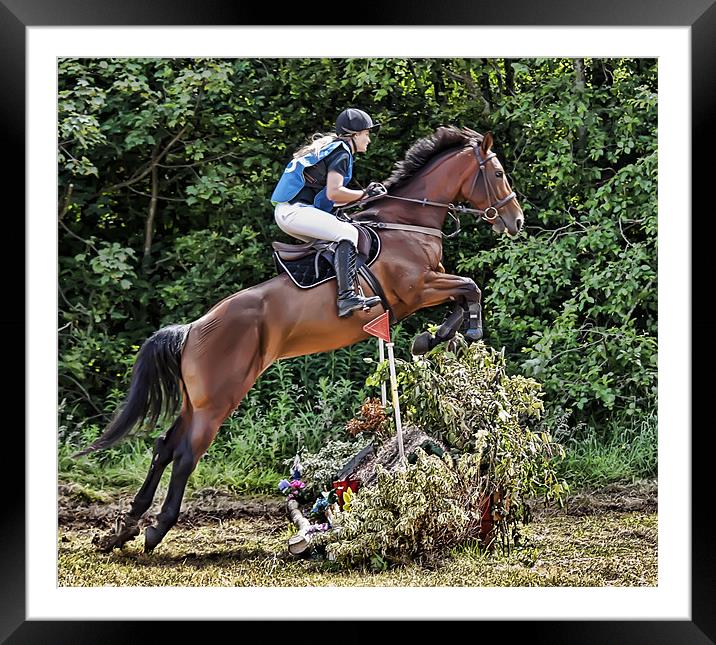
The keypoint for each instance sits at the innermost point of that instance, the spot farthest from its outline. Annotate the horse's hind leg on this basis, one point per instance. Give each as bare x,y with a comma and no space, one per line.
202,430
162,457
221,360
127,526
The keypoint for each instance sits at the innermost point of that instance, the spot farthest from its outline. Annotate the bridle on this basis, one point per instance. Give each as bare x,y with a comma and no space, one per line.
489,214
495,206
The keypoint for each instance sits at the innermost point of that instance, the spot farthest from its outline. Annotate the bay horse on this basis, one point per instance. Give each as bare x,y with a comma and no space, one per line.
203,369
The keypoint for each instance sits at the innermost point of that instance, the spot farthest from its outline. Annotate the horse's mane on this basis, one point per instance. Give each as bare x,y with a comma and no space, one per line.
426,149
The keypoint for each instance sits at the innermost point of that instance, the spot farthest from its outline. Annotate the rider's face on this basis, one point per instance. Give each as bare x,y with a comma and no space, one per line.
361,140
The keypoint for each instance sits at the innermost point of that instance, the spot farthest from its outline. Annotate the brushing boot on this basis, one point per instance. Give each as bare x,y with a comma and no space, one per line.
345,265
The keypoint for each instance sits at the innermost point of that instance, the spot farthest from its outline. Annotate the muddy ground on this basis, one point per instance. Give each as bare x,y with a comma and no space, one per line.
208,506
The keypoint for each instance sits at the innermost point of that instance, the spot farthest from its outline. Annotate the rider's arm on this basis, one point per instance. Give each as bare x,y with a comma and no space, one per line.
337,192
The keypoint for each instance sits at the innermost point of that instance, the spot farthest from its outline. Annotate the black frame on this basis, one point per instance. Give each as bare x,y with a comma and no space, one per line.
700,15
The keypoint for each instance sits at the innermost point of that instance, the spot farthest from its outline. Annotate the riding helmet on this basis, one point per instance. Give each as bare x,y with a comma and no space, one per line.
353,120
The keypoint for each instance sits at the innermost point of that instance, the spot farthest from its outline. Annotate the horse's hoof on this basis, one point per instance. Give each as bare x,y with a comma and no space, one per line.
152,537
125,530
472,335
128,534
107,543
422,344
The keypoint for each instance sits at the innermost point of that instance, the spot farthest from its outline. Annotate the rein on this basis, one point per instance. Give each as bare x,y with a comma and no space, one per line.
453,210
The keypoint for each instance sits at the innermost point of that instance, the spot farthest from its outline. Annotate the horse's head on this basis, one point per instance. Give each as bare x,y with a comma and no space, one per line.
488,190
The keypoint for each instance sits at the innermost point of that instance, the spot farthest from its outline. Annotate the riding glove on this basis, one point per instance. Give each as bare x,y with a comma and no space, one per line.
374,189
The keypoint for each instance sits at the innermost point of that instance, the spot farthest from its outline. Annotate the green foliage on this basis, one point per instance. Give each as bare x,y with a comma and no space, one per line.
572,301
461,397
577,298
466,399
213,265
411,514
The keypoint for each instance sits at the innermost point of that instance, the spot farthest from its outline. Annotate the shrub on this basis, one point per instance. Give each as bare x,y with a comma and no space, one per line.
466,399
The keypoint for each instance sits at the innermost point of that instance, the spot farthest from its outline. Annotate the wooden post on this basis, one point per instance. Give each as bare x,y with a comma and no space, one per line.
383,388
380,327
396,404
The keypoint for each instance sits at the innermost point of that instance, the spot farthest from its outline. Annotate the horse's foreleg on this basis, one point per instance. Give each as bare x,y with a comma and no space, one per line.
424,342
472,325
443,287
450,325
471,297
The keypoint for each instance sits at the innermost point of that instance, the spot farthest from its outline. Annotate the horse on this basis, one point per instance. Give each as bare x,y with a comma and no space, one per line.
202,370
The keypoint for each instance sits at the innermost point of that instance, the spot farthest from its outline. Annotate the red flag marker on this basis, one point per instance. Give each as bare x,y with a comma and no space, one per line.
379,327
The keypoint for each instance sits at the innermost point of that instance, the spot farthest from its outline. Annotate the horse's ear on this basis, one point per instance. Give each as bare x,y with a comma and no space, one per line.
486,142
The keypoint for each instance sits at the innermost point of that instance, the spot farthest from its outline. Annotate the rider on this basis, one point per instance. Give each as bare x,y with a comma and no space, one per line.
314,183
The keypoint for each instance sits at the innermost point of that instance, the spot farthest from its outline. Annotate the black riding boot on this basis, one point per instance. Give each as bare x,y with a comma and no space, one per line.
345,265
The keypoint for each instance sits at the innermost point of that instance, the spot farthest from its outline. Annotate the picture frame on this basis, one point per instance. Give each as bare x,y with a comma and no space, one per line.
16,16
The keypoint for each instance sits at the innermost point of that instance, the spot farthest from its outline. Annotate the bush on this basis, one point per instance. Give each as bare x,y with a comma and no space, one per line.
466,399
413,514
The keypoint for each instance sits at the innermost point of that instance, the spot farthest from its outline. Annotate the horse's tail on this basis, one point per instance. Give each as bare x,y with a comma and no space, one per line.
155,389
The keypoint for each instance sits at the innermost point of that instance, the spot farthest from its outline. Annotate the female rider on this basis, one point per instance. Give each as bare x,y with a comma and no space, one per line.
313,184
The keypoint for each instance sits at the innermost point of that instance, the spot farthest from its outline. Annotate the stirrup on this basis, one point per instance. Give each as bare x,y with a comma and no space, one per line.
357,303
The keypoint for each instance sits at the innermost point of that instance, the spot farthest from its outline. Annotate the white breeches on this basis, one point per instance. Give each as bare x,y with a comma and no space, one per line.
309,223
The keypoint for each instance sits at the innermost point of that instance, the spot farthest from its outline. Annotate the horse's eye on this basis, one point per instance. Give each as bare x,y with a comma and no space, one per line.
499,173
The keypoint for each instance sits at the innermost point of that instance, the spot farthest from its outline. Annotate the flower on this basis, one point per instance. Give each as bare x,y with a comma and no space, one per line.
320,505
316,528
347,497
283,485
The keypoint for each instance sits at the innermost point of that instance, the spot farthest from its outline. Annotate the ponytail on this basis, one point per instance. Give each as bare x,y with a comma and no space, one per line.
318,141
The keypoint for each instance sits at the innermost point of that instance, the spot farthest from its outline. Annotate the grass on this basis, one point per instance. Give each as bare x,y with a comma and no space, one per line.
247,455
608,549
617,455
245,463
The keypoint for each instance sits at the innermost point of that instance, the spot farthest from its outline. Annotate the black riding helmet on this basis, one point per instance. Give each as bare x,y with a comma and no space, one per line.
353,120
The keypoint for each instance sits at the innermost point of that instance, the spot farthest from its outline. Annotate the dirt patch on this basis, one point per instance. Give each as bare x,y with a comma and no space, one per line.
602,537
614,549
621,498
208,506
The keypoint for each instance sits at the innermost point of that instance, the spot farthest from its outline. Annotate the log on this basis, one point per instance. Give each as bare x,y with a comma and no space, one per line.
297,544
388,456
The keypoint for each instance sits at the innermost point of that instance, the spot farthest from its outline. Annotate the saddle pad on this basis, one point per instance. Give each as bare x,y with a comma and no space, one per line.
303,271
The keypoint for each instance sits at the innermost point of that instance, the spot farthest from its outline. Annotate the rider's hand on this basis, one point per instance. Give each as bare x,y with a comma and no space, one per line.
374,189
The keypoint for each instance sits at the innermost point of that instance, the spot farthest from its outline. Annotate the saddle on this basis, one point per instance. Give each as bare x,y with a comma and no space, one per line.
292,252
311,264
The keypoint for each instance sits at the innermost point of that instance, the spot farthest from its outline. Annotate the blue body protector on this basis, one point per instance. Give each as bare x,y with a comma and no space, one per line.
292,180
